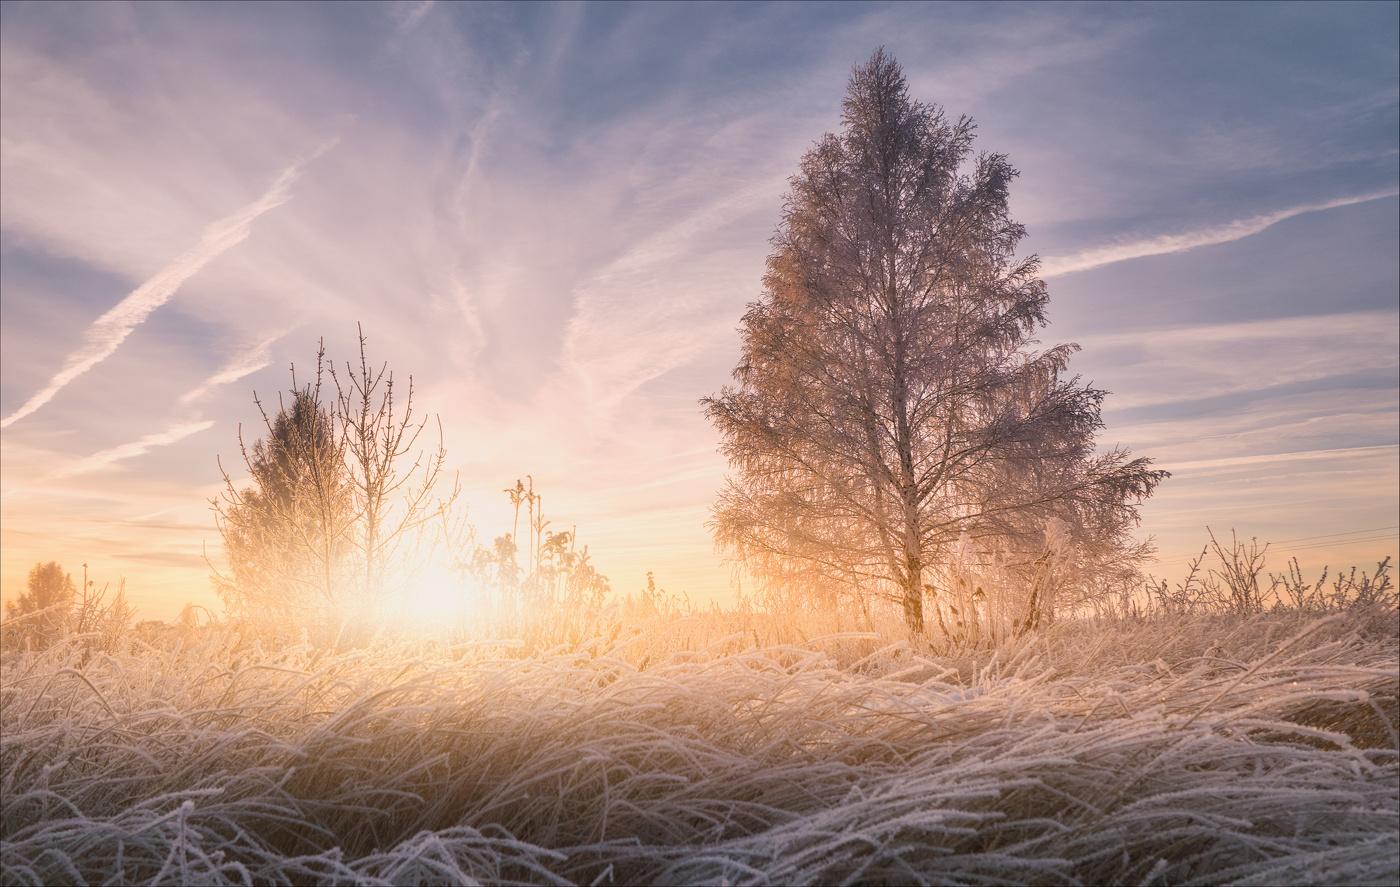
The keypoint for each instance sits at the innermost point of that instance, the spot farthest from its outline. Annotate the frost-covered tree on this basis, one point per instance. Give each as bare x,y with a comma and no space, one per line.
47,602
336,517
890,405
287,536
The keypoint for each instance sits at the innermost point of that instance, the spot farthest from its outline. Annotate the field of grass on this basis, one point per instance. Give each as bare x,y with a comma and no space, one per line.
1176,750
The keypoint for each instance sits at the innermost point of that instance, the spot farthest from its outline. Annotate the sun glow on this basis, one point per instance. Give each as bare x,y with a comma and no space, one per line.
435,600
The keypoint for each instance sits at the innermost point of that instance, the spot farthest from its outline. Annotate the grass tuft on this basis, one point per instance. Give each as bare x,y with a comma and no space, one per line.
1227,749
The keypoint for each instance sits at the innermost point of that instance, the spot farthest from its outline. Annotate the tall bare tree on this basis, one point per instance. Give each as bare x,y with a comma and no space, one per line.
888,402
395,505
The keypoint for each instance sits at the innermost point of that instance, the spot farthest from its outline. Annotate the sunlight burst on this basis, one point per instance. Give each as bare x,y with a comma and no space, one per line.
434,599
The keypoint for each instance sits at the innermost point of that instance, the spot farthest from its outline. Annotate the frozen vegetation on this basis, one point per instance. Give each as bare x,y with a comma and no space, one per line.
1184,749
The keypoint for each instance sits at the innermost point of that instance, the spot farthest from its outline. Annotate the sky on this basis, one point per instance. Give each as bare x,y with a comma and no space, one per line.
552,217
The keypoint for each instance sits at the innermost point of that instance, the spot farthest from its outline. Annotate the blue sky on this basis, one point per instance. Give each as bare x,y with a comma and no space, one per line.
553,215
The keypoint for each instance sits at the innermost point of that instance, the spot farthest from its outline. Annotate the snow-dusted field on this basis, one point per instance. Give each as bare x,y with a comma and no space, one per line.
1204,750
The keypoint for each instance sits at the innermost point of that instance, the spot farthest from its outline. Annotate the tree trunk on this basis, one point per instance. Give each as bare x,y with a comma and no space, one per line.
913,582
914,605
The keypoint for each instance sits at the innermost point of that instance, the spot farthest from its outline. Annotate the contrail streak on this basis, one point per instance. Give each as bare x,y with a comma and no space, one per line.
1175,243
109,330
136,448
243,364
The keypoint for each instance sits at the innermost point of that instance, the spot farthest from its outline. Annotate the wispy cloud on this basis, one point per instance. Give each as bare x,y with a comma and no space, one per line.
1207,467
1375,325
242,364
1178,365
108,332
625,331
1175,243
130,450
409,14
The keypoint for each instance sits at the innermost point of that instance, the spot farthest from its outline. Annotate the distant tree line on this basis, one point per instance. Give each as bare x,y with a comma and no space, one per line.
52,607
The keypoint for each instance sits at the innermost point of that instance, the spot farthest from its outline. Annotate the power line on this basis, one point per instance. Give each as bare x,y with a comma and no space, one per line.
1335,535
1380,538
